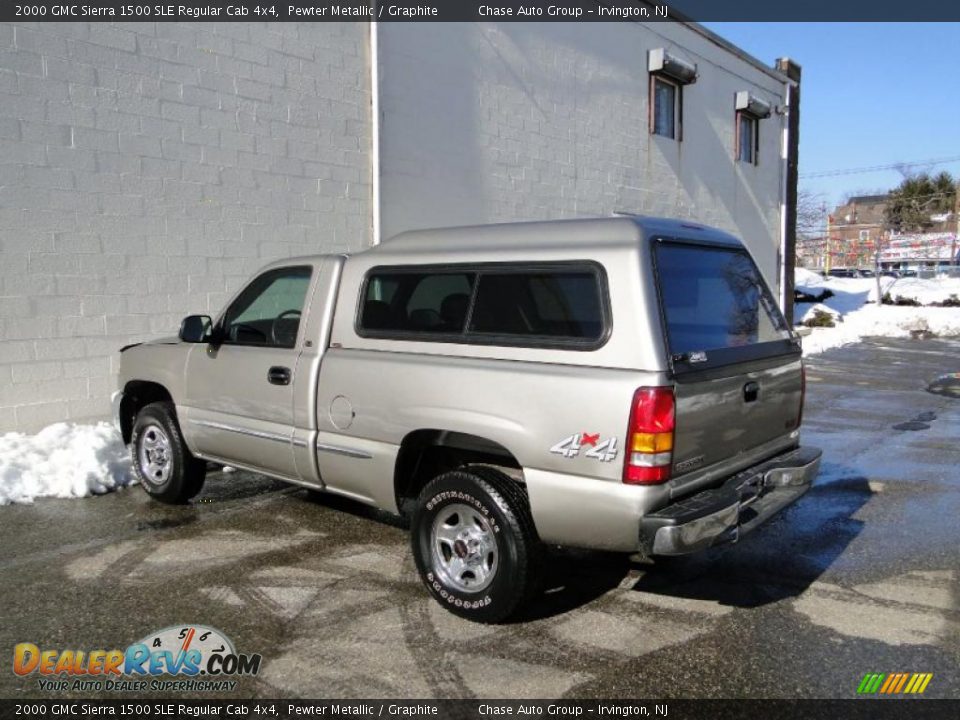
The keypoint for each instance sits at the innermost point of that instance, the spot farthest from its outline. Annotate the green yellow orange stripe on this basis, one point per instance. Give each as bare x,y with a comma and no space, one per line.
903,681
894,683
875,683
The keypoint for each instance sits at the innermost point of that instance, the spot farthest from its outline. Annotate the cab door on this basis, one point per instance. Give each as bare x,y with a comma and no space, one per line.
240,387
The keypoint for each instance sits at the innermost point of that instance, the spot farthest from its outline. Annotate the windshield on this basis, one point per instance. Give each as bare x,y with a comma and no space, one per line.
714,298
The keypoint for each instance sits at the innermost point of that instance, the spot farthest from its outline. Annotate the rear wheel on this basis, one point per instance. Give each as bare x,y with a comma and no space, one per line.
161,460
475,545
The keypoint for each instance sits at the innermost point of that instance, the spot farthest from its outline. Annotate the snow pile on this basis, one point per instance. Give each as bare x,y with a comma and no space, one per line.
807,280
856,313
885,320
926,291
62,460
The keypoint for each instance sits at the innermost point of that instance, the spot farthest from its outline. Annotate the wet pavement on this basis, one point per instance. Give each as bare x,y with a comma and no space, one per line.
862,575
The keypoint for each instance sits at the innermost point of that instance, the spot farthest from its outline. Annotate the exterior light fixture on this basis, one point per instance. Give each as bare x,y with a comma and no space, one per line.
663,63
745,102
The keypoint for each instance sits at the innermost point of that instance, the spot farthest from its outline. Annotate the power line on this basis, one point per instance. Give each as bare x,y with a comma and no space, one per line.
887,197
877,168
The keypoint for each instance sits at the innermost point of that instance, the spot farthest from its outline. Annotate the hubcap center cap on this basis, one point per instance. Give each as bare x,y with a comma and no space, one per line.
460,548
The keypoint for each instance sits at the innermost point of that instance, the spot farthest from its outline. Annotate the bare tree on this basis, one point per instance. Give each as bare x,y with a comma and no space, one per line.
811,210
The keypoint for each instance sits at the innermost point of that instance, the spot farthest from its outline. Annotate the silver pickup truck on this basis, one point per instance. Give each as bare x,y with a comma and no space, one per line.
625,384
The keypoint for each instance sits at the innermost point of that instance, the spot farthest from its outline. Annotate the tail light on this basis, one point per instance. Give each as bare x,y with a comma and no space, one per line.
649,453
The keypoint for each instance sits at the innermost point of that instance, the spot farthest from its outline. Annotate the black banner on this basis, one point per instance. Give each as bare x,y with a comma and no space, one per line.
916,709
475,10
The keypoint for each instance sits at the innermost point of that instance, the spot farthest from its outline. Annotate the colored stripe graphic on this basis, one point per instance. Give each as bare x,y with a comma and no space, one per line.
900,683
870,683
890,683
894,683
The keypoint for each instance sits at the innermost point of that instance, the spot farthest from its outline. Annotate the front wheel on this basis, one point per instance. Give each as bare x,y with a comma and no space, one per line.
161,460
475,545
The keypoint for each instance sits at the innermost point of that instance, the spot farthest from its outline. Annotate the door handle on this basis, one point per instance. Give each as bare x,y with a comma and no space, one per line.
750,391
278,375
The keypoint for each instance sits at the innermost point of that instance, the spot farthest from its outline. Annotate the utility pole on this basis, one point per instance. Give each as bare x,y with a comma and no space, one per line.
956,216
792,156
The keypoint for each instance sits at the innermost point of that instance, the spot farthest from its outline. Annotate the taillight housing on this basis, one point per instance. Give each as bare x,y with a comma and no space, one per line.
649,453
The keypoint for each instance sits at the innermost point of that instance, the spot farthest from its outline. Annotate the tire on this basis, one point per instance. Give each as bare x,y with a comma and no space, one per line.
475,545
161,460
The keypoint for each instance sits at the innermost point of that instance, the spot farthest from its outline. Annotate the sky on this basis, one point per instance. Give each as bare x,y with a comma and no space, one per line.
871,94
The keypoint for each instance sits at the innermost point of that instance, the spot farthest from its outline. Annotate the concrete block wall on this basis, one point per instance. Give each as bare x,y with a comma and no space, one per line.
146,170
486,122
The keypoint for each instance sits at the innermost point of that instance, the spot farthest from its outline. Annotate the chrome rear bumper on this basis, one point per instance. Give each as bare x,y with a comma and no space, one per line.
723,514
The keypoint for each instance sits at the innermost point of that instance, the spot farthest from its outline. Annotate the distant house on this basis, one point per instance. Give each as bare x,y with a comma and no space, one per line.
859,224
855,228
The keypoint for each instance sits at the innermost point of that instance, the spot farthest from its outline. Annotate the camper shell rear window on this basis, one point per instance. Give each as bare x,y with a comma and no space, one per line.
716,307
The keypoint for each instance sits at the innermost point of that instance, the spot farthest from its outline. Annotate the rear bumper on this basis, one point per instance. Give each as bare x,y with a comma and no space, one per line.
722,515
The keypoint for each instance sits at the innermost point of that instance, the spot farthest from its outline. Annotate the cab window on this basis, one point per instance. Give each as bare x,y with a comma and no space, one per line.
267,313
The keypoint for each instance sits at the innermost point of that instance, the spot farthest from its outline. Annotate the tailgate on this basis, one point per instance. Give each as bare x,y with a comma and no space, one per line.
735,362
720,417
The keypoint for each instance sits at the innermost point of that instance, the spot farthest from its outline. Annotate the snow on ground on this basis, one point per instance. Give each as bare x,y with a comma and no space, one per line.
854,301
63,460
926,291
885,320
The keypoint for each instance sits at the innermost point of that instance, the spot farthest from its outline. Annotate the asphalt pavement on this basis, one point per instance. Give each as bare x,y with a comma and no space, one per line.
861,576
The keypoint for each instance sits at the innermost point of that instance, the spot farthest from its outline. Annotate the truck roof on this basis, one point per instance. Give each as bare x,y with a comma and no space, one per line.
515,238
551,234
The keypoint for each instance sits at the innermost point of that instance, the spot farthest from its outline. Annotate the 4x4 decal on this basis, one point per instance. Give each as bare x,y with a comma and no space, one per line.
602,450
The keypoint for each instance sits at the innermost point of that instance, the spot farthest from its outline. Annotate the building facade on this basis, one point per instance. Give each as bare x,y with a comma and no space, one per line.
859,237
148,169
853,231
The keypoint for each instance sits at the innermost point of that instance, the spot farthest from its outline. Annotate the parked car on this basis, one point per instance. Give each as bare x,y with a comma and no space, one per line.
866,273
908,273
625,384
890,273
841,272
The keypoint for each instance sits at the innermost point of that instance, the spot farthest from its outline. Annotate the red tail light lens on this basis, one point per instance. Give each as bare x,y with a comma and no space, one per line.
649,454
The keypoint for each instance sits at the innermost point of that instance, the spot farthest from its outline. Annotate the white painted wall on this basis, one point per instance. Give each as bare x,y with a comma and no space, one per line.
147,170
524,121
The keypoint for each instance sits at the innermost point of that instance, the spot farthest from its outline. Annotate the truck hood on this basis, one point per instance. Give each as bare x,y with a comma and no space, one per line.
159,341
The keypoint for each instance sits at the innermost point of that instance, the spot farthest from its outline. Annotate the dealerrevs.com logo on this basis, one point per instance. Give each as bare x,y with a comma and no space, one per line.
203,658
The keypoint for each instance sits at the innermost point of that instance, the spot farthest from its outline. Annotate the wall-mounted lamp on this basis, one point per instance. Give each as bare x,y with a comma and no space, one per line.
745,102
675,68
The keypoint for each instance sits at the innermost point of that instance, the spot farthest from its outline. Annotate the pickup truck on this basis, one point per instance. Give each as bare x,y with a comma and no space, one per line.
626,384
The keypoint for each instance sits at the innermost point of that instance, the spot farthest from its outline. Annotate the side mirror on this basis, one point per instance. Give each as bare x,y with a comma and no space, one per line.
196,329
